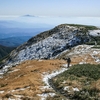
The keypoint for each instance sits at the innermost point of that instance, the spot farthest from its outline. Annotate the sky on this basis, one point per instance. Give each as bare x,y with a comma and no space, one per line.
63,8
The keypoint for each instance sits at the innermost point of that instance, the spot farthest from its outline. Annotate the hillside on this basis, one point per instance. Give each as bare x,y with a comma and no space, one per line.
4,51
27,71
49,44
30,79
25,80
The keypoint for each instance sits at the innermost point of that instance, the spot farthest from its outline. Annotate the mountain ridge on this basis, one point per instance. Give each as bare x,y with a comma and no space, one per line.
49,44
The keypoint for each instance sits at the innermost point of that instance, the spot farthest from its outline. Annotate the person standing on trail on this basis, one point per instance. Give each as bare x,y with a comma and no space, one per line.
68,61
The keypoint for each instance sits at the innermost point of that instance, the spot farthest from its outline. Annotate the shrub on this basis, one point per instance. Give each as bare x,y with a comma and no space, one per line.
86,76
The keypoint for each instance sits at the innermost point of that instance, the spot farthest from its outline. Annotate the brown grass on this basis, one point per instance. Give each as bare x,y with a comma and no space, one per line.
29,74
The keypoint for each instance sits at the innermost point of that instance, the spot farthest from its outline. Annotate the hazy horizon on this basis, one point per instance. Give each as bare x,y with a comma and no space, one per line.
51,21
51,12
64,8
43,15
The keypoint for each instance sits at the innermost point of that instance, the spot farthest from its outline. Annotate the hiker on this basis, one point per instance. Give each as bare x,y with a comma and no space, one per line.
68,61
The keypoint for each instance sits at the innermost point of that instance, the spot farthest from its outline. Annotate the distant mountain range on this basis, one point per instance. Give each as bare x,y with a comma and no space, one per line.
13,28
14,41
28,15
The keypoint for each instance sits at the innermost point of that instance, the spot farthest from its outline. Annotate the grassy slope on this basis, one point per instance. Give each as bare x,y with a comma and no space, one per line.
27,74
85,77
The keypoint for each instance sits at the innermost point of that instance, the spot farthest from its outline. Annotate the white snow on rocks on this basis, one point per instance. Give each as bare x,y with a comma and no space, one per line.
14,71
75,89
45,95
49,76
95,53
2,92
82,63
65,65
20,89
49,47
82,50
69,89
4,69
46,77
94,32
66,88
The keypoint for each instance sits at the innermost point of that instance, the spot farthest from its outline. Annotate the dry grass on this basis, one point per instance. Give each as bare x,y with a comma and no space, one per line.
29,74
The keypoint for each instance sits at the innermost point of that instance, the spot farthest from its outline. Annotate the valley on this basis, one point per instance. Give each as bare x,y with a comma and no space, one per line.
4,51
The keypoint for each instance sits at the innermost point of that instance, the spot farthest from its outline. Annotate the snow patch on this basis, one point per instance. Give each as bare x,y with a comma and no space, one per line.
75,89
97,60
94,32
69,89
82,63
4,69
49,76
45,87
2,92
65,65
40,60
14,71
95,52
46,77
20,89
66,88
18,96
45,95
96,55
